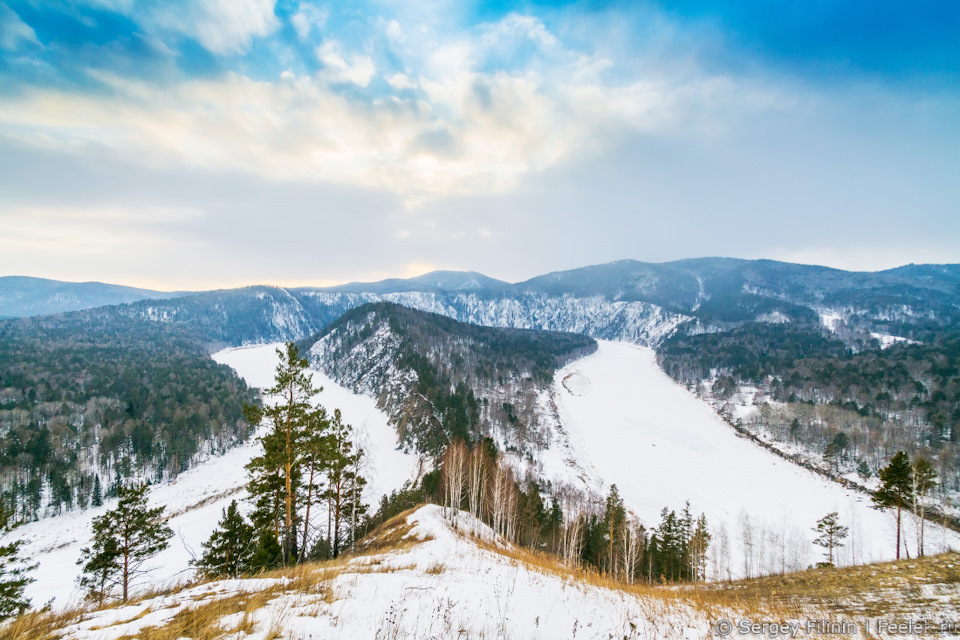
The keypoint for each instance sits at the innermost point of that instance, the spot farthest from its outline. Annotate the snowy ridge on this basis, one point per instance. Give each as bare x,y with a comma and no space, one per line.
597,317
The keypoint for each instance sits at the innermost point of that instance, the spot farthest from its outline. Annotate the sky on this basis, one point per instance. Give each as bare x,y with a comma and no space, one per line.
194,144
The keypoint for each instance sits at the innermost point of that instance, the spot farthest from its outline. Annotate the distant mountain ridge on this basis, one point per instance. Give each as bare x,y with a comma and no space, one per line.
23,296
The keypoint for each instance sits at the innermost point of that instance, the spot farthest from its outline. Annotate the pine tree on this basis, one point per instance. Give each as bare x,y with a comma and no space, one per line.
896,488
863,470
97,492
344,482
699,543
231,546
613,519
831,535
277,474
14,576
316,454
123,539
267,554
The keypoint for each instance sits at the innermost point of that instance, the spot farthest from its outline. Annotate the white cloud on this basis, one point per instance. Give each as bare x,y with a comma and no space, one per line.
307,18
400,81
358,69
469,129
14,32
221,26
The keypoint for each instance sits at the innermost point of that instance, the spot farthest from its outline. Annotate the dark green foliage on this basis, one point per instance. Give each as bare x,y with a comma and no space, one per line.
276,476
124,538
14,574
267,555
308,460
896,488
614,517
143,395
230,550
750,352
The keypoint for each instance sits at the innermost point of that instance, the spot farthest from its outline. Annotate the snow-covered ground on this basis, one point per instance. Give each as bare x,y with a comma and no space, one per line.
662,446
198,496
444,587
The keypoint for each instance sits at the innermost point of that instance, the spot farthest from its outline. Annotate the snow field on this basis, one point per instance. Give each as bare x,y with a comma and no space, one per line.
662,446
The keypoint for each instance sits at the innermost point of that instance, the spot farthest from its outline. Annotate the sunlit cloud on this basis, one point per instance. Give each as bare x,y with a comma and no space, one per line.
454,128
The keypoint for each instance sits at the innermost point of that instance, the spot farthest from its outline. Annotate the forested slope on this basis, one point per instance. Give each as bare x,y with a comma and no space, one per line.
440,379
87,401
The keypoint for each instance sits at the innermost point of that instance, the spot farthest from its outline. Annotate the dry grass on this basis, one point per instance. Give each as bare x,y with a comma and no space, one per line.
38,625
891,589
206,621
872,590
709,602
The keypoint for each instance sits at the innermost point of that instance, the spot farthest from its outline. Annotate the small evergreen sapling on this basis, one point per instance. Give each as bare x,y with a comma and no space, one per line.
230,549
124,538
831,535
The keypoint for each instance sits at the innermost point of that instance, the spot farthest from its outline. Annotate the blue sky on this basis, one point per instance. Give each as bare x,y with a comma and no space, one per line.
222,142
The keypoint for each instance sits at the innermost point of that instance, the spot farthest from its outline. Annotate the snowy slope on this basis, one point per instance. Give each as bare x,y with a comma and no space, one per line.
661,446
198,496
444,587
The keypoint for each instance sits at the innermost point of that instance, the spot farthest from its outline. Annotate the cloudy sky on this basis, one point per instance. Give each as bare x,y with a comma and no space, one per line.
203,143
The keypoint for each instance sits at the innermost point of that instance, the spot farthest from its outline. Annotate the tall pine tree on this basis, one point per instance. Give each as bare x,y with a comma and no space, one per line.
277,474
896,488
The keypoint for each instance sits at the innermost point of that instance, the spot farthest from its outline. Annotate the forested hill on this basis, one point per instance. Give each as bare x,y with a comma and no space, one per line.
440,379
87,400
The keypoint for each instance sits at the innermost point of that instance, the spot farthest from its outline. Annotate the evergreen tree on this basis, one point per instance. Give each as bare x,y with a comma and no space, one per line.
97,500
231,546
344,483
699,543
277,474
831,535
315,461
14,576
863,470
896,488
613,518
123,539
267,555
